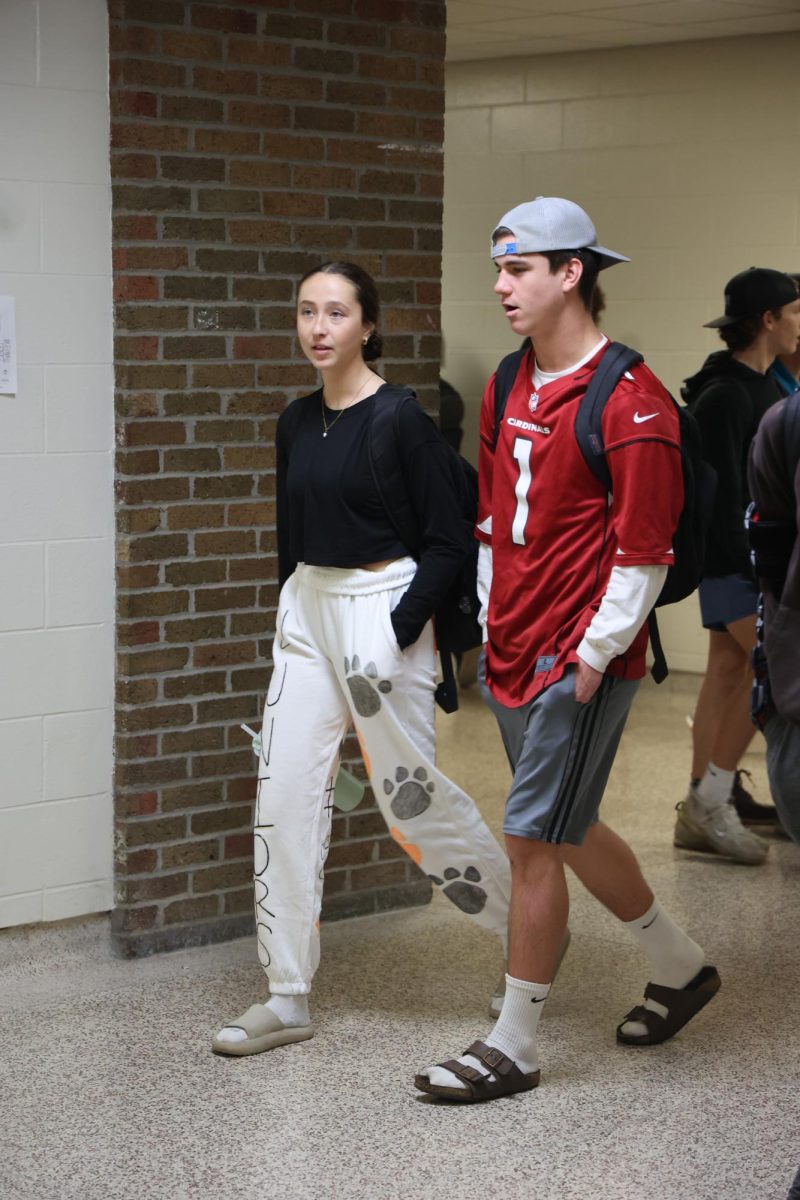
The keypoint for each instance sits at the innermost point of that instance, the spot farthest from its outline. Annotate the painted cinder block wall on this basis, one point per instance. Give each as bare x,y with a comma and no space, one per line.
249,141
56,463
685,155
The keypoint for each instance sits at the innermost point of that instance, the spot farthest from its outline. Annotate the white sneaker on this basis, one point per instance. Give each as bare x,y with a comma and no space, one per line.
718,831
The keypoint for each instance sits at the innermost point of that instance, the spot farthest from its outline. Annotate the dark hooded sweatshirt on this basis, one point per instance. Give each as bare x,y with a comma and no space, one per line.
775,480
728,399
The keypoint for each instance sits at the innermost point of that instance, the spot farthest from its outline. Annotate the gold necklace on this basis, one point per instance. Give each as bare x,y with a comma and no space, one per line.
325,426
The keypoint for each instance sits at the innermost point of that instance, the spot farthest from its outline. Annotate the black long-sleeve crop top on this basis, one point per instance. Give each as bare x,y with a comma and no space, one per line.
330,512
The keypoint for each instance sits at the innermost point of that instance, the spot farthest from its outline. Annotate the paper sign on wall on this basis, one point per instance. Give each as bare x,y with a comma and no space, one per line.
8,347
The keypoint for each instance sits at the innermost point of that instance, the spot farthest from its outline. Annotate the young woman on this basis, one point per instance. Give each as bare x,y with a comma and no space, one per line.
354,644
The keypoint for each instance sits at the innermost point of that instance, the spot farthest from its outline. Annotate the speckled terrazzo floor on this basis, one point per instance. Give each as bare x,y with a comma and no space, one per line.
108,1090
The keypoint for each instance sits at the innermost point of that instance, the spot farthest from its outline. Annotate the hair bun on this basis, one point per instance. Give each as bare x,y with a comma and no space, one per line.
373,347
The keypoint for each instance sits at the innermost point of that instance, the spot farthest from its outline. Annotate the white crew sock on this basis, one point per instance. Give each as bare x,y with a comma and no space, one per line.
514,1034
674,958
715,787
290,1010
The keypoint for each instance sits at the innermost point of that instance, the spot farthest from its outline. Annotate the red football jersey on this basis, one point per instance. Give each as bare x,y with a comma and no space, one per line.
554,531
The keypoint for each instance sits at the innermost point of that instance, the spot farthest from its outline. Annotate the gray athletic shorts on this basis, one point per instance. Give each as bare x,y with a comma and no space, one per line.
561,753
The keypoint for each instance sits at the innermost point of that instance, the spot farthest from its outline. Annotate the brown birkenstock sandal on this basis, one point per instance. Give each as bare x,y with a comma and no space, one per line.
681,1003
505,1080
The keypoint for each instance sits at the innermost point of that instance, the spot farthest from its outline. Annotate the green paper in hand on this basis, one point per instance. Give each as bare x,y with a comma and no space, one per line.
348,792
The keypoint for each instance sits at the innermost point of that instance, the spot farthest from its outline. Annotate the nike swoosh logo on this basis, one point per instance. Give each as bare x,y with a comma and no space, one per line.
541,1000
649,923
637,420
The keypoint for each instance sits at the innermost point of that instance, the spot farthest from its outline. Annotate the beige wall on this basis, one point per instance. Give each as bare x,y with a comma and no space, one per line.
686,157
56,465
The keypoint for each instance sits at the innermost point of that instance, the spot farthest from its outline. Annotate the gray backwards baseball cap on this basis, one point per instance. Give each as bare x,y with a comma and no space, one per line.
550,223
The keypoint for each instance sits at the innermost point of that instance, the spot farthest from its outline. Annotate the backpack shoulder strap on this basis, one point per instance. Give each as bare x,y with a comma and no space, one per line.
504,381
383,448
617,359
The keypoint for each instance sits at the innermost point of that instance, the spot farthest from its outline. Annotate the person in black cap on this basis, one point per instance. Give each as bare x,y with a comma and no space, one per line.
729,396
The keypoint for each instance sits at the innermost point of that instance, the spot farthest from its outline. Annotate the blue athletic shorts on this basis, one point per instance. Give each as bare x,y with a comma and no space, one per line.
561,753
727,598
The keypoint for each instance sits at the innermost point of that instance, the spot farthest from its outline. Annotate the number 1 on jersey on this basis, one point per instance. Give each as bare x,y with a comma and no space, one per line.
522,456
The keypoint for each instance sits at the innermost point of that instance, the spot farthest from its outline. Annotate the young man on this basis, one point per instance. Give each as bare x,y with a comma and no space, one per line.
729,396
571,574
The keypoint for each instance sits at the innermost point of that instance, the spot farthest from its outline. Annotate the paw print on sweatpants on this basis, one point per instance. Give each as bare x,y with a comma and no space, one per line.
363,688
411,796
464,893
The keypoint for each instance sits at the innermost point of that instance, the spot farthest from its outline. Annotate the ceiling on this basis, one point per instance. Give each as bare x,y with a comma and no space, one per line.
506,28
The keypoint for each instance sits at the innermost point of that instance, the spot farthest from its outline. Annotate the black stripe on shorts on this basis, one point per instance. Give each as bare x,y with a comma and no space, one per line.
583,735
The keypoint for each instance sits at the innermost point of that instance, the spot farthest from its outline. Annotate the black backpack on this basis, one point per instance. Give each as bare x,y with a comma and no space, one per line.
699,477
456,619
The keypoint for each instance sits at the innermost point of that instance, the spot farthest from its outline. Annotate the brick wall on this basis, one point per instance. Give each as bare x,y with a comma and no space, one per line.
249,141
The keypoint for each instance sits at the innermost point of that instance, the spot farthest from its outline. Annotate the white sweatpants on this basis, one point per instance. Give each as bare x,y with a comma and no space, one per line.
337,663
